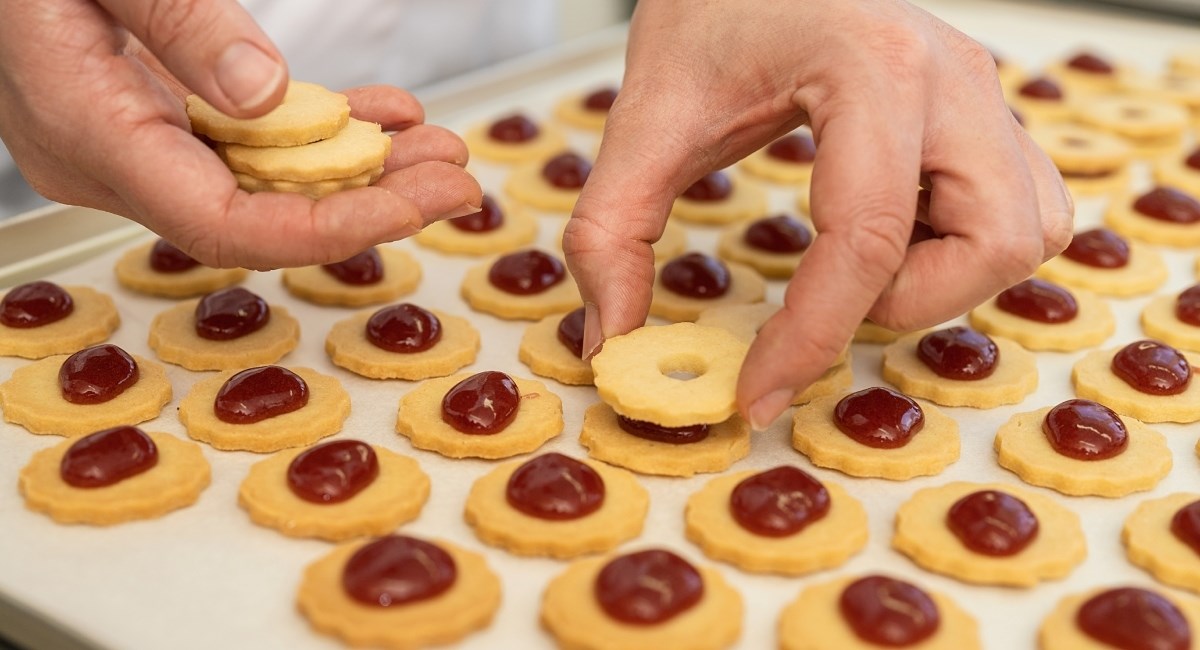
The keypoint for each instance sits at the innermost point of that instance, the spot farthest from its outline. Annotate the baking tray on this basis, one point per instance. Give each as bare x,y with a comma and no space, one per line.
206,577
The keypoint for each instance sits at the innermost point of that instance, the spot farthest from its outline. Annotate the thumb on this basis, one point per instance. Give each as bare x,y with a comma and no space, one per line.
213,46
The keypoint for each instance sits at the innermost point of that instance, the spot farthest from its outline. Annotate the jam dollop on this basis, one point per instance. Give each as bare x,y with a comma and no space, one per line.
333,472
1038,300
568,171
888,612
1168,204
1099,247
1193,159
1088,62
403,328
1185,525
363,269
1153,367
396,570
165,257
696,275
525,273
513,128
1129,618
570,331
555,487
35,304
96,374
600,100
648,587
794,148
1041,89
1085,430
778,502
959,353
1187,305
489,217
713,186
879,417
482,404
256,394
658,433
107,457
230,313
778,234
992,523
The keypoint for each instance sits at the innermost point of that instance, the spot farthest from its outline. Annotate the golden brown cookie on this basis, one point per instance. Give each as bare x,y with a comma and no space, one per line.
312,189
528,272
744,285
135,270
308,113
1151,126
586,110
500,226
91,318
1060,629
772,246
869,332
543,350
1015,374
394,271
742,198
1180,171
1094,379
350,346
787,160
724,444
1091,161
1086,74
1077,318
174,339
530,183
1160,319
359,148
743,320
1041,100
1164,216
514,138
1142,272
1152,543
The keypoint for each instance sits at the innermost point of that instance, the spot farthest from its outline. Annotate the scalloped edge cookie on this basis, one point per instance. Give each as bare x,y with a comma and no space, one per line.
518,230
1015,377
1058,630
746,286
546,356
348,347
173,338
549,139
1093,379
1092,325
1150,544
401,275
482,296
133,271
748,199
1144,273
605,440
93,319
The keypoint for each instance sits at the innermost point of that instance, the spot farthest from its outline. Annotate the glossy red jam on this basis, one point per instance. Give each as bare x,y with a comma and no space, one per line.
482,404
1038,300
397,570
1087,62
959,353
230,313
570,332
1100,247
489,218
714,186
796,148
567,171
1041,89
696,275
555,487
513,129
992,523
1152,367
1187,305
1168,204
403,328
525,273
658,433
1085,430
778,502
1185,525
363,269
35,304
888,612
1193,160
96,374
879,418
333,472
600,100
256,394
1130,618
779,234
166,258
648,587
107,457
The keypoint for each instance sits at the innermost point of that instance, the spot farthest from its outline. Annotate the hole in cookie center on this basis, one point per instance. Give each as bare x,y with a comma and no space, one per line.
683,367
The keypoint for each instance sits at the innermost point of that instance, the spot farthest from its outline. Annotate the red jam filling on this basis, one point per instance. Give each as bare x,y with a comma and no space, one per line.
696,275
567,171
778,502
397,570
1041,89
570,332
256,394
600,100
959,353
796,148
333,472
513,129
779,234
648,587
489,218
1130,618
525,273
1193,160
1168,204
1185,525
107,457
1087,62
403,328
1152,367
230,313
992,523
166,258
96,374
35,304
1085,430
713,186
1187,306
555,487
888,612
482,404
879,417
1038,300
1100,247
658,433
360,270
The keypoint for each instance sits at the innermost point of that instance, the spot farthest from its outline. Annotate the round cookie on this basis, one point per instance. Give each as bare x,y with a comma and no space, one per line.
174,339
359,148
1093,379
1060,629
482,295
314,190
1161,321
1144,272
516,228
134,271
746,200
546,355
307,114
745,286
726,443
545,142
528,184
574,111
1092,162
869,332
93,318
1151,544
1125,216
1185,60
1182,171
349,347
1091,325
1041,100
1086,74
400,276
734,246
1151,126
1015,375
787,160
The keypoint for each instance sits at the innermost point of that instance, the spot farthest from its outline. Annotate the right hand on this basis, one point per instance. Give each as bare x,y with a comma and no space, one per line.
91,109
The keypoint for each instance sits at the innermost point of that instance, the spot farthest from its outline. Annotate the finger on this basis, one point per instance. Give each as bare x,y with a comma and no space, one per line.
423,143
1056,206
393,108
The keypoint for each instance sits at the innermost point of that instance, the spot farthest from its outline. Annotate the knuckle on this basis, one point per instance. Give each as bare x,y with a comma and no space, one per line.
879,238
1057,231
171,21
901,46
1014,258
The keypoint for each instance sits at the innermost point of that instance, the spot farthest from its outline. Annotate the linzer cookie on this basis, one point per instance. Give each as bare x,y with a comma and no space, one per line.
1088,73
1152,126
403,341
648,448
499,226
1148,380
1165,216
312,189
528,284
687,285
307,114
587,110
1175,319
772,245
551,184
225,330
1091,161
1100,260
553,347
720,198
1163,537
1041,315
786,160
959,366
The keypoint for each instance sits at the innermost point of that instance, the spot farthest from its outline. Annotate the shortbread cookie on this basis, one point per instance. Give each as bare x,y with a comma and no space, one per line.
1005,372
514,138
399,593
869,332
485,415
1086,74
836,379
402,341
1167,371
772,246
1041,100
1161,537
1182,171
1091,161
871,612
528,284
359,148
786,160
586,110
779,521
553,347
681,451
113,476
228,411
689,284
307,114
1080,447
376,275
720,198
1164,216
1102,261
556,506
1010,73
270,332
41,318
1151,126
1041,315
551,184
1180,89
336,490
663,602
499,226
158,268
1175,319
1121,617
312,189
1029,536
876,432
103,387
1185,60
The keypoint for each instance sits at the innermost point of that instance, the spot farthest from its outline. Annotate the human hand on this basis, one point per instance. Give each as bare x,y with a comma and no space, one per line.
93,117
896,99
